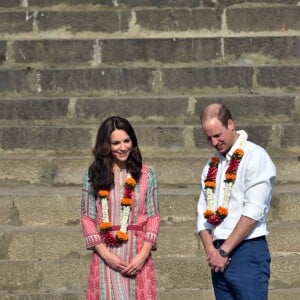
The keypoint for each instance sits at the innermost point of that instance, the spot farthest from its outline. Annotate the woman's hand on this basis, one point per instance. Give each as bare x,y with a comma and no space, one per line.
138,261
135,265
112,260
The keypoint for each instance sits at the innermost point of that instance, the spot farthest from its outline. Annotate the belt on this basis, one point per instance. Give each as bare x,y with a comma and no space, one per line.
133,227
218,243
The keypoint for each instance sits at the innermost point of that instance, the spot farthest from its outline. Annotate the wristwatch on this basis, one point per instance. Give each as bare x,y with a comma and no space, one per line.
223,253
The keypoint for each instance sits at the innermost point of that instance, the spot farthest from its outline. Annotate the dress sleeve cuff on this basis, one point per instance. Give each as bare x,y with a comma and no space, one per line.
92,241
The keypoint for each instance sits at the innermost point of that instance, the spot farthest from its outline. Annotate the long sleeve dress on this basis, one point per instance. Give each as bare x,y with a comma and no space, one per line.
104,282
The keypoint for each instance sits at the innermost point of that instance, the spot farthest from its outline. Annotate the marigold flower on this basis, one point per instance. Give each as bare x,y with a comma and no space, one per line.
105,226
222,211
214,160
208,213
210,184
121,236
239,152
230,176
126,201
130,182
103,193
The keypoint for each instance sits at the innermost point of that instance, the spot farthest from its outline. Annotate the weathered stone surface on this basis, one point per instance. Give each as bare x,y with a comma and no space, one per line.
53,206
35,275
161,137
33,109
2,52
179,19
191,294
178,204
285,206
43,295
145,50
280,48
65,274
18,81
19,275
163,50
141,107
285,271
278,76
283,237
225,3
20,170
263,18
90,80
16,22
193,78
53,51
195,270
42,243
45,138
11,3
109,3
290,136
78,21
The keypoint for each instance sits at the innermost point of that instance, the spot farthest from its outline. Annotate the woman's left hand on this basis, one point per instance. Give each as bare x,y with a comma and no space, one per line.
135,265
138,261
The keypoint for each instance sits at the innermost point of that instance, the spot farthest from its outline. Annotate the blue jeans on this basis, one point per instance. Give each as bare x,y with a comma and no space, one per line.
247,275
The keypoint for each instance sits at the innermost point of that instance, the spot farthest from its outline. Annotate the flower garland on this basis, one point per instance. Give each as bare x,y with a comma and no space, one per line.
215,217
126,202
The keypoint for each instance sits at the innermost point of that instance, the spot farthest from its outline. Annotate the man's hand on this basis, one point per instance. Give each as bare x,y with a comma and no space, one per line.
216,262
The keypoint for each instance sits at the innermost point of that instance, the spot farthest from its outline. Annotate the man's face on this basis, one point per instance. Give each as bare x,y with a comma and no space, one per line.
220,137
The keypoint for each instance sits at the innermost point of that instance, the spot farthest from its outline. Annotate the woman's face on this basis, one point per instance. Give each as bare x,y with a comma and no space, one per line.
121,146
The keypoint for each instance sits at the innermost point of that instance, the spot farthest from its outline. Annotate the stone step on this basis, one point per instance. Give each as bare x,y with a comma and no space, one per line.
133,80
151,51
179,138
171,170
71,274
130,3
247,109
41,205
66,242
41,294
235,19
176,294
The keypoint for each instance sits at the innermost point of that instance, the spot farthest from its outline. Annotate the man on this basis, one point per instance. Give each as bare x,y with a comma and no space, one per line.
232,209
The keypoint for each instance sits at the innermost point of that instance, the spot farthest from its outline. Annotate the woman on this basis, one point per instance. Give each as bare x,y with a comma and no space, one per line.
120,216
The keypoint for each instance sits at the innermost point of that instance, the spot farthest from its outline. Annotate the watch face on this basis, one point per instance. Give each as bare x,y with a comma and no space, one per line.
223,253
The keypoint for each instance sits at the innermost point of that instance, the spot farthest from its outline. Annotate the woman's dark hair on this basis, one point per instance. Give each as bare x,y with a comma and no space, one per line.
101,170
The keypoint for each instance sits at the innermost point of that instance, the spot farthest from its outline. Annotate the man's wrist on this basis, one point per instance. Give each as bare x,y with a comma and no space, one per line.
223,253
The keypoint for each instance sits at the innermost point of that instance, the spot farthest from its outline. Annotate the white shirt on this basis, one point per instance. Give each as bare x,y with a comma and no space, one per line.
250,195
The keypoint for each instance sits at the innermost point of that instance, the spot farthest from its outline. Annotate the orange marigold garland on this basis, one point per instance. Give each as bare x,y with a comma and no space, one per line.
213,216
126,202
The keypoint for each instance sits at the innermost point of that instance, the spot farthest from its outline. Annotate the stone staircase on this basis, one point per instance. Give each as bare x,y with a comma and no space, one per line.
65,65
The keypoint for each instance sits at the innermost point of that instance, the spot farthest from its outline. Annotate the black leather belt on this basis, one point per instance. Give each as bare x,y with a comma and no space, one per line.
218,243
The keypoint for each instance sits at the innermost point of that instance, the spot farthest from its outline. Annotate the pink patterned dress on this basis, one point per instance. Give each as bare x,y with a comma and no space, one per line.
105,283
